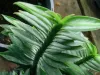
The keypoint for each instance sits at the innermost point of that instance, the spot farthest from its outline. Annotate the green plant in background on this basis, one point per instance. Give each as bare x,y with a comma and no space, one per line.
44,43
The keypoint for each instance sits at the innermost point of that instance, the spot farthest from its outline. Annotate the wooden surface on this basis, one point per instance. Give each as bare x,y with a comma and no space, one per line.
66,7
6,65
86,8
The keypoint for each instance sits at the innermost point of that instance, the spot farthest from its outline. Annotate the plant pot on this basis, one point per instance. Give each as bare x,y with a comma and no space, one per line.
50,4
97,3
9,8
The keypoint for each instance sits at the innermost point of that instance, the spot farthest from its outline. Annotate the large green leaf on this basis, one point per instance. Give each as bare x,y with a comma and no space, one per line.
50,45
80,23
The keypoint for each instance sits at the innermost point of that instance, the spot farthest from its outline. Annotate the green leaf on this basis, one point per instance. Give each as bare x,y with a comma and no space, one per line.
33,20
81,23
74,69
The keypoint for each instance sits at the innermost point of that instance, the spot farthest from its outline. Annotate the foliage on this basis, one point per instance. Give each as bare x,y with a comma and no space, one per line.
47,44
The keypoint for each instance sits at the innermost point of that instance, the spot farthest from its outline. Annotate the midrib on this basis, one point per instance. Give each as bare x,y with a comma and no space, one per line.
46,43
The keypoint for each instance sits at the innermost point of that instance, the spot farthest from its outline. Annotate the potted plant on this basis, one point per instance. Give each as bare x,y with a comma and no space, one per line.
44,43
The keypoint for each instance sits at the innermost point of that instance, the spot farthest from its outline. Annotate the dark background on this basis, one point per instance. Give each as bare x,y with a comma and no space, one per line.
7,7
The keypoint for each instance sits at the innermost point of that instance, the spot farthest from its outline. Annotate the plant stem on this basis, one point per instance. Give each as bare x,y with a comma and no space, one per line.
84,60
40,52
